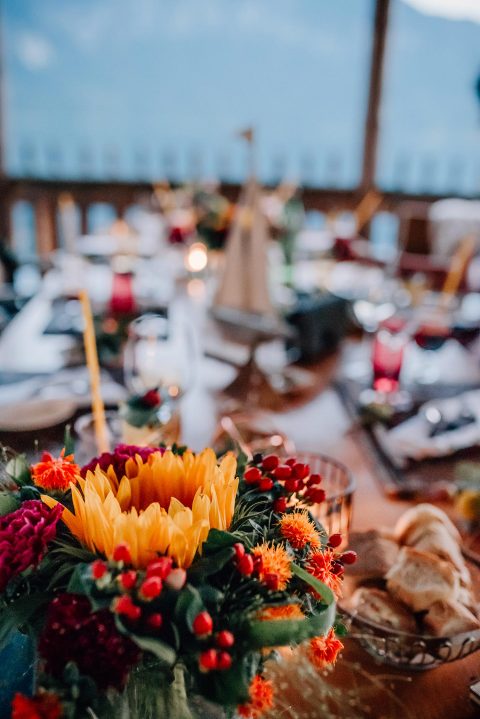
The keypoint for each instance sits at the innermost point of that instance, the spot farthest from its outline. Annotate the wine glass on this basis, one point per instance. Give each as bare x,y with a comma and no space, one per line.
160,355
433,327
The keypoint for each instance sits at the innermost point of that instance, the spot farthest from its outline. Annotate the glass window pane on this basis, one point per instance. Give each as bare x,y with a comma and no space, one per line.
430,129
142,88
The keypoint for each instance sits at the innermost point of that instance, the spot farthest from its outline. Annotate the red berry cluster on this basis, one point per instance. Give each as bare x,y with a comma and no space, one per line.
138,588
349,557
284,480
251,566
216,657
152,398
247,564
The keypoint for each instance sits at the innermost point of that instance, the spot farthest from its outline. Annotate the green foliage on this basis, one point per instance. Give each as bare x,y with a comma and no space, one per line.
278,633
139,414
325,592
188,605
8,503
18,613
68,441
18,469
164,653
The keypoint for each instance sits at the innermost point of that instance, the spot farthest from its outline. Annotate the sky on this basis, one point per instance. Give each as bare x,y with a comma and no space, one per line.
141,87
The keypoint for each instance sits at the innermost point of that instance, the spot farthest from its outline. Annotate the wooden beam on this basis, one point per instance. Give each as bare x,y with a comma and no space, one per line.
380,29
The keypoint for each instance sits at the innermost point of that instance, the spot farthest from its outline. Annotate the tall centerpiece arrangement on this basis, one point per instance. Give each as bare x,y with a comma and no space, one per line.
150,576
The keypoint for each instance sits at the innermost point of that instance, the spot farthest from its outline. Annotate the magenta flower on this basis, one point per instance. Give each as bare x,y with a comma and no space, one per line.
74,633
24,535
119,458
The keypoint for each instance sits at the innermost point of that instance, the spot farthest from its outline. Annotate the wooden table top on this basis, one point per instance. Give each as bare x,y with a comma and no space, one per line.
321,425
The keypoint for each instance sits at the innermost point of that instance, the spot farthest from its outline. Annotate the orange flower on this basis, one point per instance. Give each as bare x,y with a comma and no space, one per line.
283,611
44,706
323,651
320,564
261,698
298,529
275,562
52,473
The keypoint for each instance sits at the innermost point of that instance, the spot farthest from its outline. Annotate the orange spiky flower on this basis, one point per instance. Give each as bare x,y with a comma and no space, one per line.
285,612
323,651
275,562
54,473
321,565
298,529
261,698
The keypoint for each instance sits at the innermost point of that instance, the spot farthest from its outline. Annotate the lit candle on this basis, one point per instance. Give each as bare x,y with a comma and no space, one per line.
197,258
98,409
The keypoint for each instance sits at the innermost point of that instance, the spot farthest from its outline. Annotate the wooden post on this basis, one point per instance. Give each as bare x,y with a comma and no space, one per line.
374,97
45,230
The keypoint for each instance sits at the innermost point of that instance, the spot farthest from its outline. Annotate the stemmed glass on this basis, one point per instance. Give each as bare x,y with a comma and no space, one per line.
160,354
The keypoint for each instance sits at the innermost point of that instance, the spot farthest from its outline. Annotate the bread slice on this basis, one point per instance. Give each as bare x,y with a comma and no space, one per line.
420,517
437,540
418,579
375,554
379,607
446,619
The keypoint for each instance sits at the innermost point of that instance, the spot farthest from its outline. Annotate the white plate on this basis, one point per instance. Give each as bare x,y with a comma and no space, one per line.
35,414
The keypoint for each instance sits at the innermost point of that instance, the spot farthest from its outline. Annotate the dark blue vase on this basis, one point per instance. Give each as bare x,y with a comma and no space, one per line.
17,671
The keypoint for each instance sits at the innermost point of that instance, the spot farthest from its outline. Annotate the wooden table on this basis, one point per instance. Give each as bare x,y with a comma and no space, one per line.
321,425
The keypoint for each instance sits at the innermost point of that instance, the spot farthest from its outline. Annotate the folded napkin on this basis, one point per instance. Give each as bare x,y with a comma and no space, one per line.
412,440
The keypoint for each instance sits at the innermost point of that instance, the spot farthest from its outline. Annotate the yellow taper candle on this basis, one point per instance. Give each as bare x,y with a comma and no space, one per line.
98,408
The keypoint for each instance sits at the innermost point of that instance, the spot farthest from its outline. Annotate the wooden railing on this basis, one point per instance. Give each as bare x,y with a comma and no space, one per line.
44,197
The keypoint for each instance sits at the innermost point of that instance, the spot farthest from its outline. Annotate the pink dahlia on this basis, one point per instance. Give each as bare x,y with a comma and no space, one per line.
24,535
119,458
74,633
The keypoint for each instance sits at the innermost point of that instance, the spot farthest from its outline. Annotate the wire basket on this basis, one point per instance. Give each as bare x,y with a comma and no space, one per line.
335,512
402,650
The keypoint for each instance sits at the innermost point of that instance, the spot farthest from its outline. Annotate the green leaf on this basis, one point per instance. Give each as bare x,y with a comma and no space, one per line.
8,503
211,564
28,491
18,613
278,633
18,469
231,688
340,629
68,441
321,588
210,595
163,652
188,605
218,539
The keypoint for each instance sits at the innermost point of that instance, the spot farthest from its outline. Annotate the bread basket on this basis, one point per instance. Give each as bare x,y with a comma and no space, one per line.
412,652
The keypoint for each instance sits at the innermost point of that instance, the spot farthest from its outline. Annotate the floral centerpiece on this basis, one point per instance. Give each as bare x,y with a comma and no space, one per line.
150,575
149,420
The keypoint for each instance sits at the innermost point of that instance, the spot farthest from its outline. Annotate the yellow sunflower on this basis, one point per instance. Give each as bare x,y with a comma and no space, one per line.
164,505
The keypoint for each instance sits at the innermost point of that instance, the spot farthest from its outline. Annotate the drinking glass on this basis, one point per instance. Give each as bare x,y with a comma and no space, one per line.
160,354
433,328
387,359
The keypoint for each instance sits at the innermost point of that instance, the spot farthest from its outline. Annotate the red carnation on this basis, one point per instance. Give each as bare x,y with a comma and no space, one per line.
24,535
119,458
73,633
